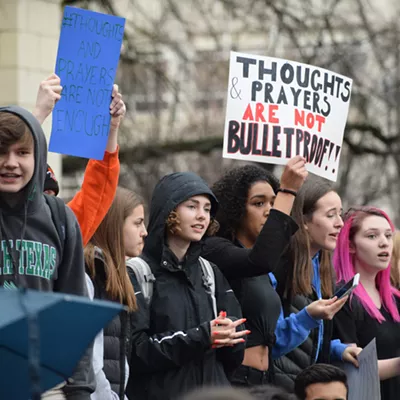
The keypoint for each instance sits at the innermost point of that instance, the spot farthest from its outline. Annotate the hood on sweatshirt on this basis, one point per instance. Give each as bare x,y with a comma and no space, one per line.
170,191
33,191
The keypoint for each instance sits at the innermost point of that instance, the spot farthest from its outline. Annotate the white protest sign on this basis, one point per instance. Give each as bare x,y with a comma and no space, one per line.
277,109
364,381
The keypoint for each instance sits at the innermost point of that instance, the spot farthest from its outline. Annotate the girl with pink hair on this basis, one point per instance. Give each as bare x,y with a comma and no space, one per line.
365,246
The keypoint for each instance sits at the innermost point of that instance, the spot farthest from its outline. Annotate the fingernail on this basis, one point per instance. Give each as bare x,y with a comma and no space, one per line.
217,341
213,346
242,340
248,332
215,333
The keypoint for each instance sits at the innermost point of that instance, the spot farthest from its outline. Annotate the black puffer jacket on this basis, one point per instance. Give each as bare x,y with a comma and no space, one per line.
117,335
171,352
290,365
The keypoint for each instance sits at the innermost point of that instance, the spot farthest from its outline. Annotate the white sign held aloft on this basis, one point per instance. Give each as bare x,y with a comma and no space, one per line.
277,109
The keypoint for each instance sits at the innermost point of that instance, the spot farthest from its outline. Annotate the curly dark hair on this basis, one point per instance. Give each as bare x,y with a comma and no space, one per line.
232,190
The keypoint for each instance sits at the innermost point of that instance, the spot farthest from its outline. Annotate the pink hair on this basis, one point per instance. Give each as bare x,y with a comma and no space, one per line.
343,262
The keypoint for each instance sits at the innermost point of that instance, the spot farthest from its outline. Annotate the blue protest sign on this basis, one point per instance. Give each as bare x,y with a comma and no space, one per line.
87,60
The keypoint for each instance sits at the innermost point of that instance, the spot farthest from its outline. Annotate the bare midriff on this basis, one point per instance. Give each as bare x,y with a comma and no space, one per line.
257,357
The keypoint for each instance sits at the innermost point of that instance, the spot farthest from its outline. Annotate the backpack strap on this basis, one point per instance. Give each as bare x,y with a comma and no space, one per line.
98,253
209,282
144,276
59,217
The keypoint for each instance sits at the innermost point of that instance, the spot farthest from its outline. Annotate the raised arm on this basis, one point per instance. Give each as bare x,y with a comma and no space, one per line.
92,202
236,262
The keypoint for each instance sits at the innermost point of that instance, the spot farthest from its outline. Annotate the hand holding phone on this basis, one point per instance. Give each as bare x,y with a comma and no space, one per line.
325,308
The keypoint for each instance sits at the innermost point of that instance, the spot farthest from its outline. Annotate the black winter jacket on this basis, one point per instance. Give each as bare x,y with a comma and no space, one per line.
290,365
171,352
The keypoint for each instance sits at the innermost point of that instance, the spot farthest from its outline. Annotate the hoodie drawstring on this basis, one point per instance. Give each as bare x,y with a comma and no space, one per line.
31,317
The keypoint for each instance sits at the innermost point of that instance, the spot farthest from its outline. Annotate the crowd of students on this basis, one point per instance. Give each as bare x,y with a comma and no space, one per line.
229,285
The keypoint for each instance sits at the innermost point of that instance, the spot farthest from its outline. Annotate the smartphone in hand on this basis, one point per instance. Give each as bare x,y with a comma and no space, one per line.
347,288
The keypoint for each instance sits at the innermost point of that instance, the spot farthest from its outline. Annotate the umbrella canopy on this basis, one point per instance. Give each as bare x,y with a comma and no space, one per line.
62,325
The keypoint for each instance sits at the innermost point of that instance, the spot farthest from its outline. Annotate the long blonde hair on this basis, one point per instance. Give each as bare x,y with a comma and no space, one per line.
109,238
394,264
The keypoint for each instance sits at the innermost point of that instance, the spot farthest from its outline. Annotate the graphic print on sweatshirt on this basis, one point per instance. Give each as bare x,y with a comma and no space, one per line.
34,259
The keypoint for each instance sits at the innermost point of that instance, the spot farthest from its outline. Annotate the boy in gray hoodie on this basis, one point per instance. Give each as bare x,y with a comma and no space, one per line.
33,255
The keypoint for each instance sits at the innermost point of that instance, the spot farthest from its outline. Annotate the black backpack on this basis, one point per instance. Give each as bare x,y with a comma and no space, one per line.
59,217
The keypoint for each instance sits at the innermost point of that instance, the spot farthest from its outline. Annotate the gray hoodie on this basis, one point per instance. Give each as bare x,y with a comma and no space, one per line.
27,232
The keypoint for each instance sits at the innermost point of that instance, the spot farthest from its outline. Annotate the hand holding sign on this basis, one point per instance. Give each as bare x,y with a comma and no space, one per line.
117,108
292,179
294,174
48,94
117,111
350,355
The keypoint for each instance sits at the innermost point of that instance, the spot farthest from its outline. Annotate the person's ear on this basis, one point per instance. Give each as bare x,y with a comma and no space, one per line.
352,248
305,223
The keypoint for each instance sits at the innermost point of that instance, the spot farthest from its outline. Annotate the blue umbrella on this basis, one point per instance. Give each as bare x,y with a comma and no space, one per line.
45,333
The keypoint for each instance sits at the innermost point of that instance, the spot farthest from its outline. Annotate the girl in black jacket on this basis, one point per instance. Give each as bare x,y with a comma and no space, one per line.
178,341
121,234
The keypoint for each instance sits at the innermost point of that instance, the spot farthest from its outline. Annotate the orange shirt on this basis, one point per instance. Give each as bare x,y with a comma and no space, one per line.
92,202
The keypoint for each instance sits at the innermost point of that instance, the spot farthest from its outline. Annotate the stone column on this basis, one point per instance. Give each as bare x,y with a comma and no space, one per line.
29,32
